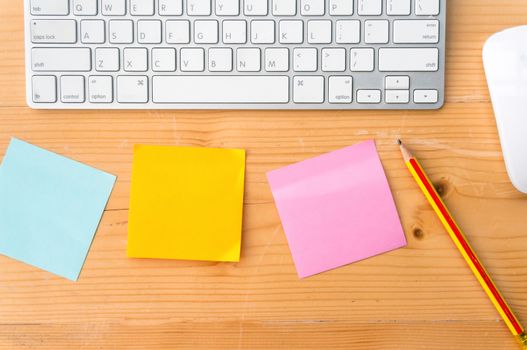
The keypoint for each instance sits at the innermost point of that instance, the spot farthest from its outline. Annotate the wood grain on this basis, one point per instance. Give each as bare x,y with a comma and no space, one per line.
420,297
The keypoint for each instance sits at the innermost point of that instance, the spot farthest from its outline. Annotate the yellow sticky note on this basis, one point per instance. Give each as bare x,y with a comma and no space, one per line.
186,203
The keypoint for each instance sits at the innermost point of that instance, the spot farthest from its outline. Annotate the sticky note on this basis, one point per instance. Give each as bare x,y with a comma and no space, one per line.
186,203
336,209
50,208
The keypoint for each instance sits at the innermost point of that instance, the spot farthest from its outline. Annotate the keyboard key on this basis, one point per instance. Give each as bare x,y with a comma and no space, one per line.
54,31
334,60
177,32
397,83
220,59
92,32
362,60
369,7
50,7
397,96
61,59
398,8
132,89
85,7
221,89
135,59
340,89
376,32
170,7
340,7
319,32
44,88
312,7
369,96
255,7
347,32
262,32
248,60
291,32
284,7
107,59
192,60
163,59
277,59
100,89
227,7
141,7
205,32
426,96
305,60
408,59
198,7
416,32
121,32
426,7
308,89
234,32
113,7
149,32
72,89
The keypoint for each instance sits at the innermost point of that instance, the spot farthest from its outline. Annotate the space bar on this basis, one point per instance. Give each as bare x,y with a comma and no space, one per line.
220,89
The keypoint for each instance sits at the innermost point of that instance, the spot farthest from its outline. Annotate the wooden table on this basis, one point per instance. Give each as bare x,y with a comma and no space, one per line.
420,297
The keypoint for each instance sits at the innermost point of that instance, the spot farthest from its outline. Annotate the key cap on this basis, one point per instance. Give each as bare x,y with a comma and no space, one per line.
376,32
369,96
284,7
163,59
255,7
262,32
100,89
340,89
50,7
408,59
141,7
319,32
85,8
305,59
334,60
227,7
135,59
72,89
107,59
92,32
369,7
397,96
234,32
220,89
54,31
198,7
308,89
177,32
248,60
416,32
426,96
149,32
205,32
192,60
121,32
347,32
398,7
170,7
397,82
44,88
341,7
426,7
362,60
220,59
132,89
277,59
61,59
113,7
291,32
312,7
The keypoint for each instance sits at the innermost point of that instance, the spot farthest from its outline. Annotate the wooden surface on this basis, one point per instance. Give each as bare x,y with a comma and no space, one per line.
420,297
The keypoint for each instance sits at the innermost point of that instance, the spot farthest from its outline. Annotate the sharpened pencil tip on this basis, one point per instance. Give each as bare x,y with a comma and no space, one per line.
399,142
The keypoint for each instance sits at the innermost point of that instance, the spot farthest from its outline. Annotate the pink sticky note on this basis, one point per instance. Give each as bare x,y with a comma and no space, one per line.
336,209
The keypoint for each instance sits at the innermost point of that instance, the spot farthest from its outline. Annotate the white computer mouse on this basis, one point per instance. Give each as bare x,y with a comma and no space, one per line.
505,61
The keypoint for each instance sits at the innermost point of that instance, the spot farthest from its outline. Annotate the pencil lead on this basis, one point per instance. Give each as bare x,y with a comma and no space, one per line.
399,142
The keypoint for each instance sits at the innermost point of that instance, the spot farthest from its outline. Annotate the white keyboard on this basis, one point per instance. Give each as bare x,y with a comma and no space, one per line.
235,54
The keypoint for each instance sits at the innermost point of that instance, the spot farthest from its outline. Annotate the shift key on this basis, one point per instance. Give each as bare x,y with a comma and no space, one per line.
61,59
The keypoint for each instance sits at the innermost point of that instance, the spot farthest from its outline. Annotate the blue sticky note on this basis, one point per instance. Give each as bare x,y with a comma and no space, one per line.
50,208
